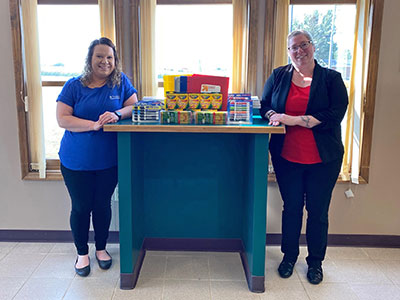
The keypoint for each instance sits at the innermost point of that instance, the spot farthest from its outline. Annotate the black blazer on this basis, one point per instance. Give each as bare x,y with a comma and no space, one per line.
327,103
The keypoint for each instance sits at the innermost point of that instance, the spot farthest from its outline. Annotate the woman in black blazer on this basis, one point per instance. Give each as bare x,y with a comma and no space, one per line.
311,101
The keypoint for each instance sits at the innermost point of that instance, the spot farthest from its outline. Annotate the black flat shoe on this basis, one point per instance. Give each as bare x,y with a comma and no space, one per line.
104,264
315,275
83,272
285,269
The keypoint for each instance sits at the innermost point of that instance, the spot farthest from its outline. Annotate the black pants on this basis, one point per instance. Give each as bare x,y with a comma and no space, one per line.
90,192
311,185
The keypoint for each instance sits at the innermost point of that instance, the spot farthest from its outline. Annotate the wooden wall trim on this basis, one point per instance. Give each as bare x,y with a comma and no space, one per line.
369,106
269,37
53,83
19,86
127,40
252,48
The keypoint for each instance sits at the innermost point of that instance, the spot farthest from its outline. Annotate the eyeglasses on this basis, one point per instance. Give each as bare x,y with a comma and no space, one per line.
303,46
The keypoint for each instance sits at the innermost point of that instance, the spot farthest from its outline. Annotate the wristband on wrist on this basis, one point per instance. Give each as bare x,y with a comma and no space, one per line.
118,114
270,113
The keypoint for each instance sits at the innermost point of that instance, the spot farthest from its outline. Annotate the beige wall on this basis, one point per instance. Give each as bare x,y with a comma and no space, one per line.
24,204
374,210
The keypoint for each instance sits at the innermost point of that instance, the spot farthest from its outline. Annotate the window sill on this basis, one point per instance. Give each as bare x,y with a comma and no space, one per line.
51,175
341,179
55,175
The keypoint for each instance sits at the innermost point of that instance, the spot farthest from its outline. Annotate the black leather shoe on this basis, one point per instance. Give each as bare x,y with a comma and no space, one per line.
104,264
285,269
83,272
315,275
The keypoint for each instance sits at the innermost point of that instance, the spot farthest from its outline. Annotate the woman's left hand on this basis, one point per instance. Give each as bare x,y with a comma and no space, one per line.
283,119
303,121
108,117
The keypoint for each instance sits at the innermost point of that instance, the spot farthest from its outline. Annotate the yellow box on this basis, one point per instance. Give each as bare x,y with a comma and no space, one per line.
169,84
171,100
205,101
216,101
182,101
194,101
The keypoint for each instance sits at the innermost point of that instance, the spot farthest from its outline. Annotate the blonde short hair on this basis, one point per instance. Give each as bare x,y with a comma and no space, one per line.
298,32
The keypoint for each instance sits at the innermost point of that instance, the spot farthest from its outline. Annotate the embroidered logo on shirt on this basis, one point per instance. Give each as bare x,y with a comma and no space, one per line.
114,97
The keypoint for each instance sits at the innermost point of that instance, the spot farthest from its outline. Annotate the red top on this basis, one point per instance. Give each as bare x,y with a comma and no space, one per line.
299,145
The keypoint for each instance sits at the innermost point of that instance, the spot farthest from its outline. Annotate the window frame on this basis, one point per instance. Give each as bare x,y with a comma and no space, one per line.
53,165
160,84
367,117
370,94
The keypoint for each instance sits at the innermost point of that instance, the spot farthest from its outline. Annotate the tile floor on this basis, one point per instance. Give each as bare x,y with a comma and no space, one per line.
45,271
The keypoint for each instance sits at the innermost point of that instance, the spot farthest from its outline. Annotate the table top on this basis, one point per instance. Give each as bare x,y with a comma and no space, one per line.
259,126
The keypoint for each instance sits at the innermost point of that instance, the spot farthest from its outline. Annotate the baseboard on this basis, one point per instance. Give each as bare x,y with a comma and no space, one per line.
185,244
48,236
128,280
256,283
349,240
64,236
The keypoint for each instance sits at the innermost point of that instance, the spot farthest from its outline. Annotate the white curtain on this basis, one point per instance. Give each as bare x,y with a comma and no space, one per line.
33,86
358,88
281,33
240,45
107,24
147,47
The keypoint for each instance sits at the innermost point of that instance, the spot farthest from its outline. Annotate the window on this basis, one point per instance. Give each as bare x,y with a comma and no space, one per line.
363,85
332,29
193,39
57,34
63,47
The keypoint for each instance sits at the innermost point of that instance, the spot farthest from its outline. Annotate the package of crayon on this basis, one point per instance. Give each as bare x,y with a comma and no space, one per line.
216,101
176,117
182,101
171,100
194,102
184,117
205,101
164,117
220,118
200,117
216,117
173,117
211,117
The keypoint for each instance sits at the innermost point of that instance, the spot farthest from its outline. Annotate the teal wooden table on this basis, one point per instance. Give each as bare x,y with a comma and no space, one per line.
194,188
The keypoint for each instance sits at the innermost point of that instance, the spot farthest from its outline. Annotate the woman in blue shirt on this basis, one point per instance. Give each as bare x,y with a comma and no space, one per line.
88,155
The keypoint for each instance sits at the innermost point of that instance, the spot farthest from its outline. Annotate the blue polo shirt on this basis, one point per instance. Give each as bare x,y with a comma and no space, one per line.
91,150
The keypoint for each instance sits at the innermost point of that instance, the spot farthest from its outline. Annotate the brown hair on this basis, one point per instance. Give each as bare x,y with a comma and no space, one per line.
114,79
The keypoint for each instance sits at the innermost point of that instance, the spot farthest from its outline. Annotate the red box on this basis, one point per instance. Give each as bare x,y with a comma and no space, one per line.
195,81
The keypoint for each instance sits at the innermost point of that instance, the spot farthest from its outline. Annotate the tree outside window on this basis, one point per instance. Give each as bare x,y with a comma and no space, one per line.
332,29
